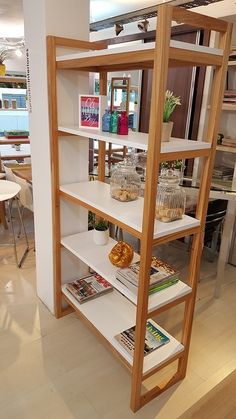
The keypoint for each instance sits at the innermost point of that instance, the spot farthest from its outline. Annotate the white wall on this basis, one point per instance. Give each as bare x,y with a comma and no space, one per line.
68,18
16,64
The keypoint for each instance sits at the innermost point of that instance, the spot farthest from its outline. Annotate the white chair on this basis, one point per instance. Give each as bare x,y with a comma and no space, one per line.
25,194
9,174
8,193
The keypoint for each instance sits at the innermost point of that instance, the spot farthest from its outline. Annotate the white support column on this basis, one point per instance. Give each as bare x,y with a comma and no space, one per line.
68,18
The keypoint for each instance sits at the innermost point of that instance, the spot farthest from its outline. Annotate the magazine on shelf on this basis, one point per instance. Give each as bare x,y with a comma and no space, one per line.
88,287
154,338
153,288
160,272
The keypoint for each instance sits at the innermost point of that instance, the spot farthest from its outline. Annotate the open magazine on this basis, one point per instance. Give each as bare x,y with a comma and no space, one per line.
89,287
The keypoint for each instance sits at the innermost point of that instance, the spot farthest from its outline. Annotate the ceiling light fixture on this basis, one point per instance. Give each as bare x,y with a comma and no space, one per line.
143,25
18,53
118,28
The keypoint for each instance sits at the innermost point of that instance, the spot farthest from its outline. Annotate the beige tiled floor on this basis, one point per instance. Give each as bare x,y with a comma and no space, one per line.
57,369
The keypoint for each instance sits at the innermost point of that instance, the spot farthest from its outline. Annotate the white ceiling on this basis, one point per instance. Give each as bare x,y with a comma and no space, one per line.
11,18
11,13
102,9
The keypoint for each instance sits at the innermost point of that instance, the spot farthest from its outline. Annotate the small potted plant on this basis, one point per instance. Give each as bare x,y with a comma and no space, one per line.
4,54
171,102
178,166
101,232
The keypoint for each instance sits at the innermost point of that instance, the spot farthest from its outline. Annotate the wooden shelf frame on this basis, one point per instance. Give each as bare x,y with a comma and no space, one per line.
162,54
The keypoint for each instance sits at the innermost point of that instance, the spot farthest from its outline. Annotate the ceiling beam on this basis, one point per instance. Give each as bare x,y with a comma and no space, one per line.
145,13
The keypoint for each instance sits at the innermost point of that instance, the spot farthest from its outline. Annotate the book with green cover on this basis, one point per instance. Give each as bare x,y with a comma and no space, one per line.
160,273
152,289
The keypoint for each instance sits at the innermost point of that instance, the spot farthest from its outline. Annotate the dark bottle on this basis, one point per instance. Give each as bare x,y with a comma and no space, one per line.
123,124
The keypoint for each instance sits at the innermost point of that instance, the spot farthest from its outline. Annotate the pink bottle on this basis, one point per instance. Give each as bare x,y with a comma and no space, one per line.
123,126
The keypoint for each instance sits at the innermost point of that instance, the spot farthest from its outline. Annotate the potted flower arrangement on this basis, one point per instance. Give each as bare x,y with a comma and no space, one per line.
101,232
177,166
171,102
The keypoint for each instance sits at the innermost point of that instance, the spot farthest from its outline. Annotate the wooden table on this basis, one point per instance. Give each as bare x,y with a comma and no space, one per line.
24,172
9,153
8,141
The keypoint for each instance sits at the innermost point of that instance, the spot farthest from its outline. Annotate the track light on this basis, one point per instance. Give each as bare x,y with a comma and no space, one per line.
118,28
143,25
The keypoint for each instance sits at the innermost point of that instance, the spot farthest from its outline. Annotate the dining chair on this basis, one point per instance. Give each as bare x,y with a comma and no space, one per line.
9,174
25,196
8,193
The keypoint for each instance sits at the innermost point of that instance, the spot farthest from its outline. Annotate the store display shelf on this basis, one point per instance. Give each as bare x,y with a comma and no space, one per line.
112,313
96,196
12,79
13,110
136,139
96,257
226,148
119,57
232,63
229,107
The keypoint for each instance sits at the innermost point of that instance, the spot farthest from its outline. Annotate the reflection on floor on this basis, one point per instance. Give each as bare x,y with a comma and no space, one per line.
58,369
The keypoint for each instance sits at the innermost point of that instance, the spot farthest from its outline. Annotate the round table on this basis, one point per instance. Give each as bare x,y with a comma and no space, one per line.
8,190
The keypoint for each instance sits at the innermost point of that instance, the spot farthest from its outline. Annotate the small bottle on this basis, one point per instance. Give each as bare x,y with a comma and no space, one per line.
106,121
6,103
123,124
13,104
114,122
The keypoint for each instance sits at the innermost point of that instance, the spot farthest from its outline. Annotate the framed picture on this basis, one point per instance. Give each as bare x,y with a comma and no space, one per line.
91,109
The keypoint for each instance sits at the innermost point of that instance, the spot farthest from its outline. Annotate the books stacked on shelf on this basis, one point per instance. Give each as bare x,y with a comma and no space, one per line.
232,55
16,134
154,338
88,287
162,276
223,173
230,96
229,142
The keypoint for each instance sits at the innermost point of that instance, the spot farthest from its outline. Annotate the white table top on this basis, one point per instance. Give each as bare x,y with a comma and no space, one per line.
8,189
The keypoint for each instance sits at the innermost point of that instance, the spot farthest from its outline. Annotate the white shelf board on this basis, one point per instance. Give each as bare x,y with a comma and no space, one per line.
143,47
110,314
135,139
83,246
97,195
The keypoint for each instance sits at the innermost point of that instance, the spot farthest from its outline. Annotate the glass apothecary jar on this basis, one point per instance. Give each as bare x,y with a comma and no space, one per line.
125,183
171,197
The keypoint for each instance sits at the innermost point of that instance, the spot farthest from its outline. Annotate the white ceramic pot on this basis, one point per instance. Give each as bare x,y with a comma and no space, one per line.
101,237
166,131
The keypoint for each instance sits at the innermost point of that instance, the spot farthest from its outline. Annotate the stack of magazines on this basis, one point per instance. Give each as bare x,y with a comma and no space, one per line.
89,287
162,276
154,338
223,173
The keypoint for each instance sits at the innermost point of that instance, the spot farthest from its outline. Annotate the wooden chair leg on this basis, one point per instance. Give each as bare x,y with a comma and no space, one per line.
3,215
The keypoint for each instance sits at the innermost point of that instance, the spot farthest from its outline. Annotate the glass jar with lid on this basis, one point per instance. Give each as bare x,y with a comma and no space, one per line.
125,182
171,197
